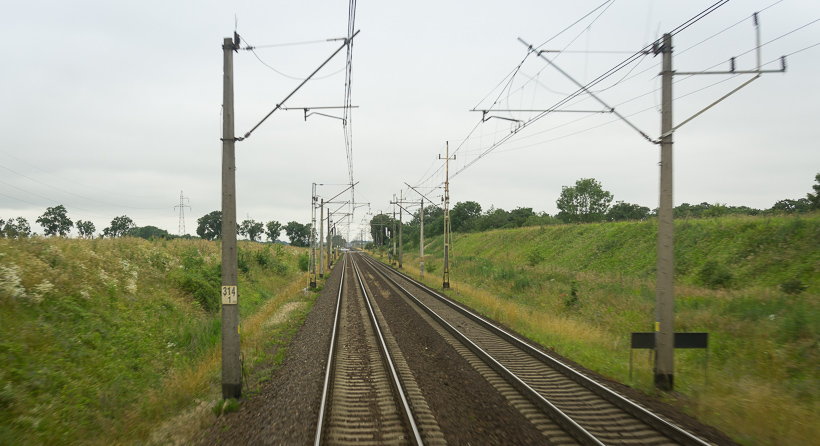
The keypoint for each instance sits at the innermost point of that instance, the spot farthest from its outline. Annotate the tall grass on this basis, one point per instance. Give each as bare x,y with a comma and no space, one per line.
752,283
100,338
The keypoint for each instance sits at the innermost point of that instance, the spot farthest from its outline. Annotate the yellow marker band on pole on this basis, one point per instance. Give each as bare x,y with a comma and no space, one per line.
657,326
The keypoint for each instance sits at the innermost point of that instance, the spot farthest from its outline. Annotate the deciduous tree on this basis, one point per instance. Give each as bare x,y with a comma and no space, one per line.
585,202
627,211
55,221
119,226
792,206
298,233
16,228
209,226
814,199
463,216
273,229
252,229
85,228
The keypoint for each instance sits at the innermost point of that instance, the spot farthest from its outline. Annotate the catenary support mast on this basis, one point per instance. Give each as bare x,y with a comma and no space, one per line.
231,366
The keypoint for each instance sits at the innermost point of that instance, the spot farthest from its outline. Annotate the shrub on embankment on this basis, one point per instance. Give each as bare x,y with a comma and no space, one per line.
753,283
89,327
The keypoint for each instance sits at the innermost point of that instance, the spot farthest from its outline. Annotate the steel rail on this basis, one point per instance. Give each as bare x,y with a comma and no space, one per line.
670,429
408,413
329,370
576,430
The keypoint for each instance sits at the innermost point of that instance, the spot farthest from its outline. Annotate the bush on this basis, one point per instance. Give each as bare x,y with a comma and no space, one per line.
572,299
535,256
793,286
304,262
264,257
714,275
430,266
199,280
243,260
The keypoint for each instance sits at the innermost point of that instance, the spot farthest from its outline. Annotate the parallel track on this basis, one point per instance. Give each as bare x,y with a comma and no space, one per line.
363,398
590,412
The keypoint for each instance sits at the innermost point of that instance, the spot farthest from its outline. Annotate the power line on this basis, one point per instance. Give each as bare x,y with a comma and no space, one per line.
71,193
79,184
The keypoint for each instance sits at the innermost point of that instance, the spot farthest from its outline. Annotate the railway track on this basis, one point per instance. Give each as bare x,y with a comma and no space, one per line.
368,395
587,412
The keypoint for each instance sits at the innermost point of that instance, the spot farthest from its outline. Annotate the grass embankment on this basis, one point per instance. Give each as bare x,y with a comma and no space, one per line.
752,283
102,340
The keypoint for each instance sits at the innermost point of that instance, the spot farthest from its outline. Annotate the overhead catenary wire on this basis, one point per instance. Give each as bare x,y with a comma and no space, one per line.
279,105
608,4
294,77
578,92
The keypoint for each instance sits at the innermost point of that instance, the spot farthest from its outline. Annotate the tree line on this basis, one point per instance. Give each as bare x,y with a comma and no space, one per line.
584,202
209,227
55,222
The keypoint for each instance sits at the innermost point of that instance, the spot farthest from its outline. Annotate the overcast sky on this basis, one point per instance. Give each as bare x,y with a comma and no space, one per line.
113,108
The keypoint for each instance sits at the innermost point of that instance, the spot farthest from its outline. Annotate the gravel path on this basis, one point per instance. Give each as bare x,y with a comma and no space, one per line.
286,410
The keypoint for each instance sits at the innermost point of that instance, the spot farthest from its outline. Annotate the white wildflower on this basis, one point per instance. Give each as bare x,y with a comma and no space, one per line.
10,281
41,290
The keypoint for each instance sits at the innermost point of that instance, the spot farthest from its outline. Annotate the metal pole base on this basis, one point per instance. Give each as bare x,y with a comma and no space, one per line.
446,285
313,284
664,382
231,391
321,276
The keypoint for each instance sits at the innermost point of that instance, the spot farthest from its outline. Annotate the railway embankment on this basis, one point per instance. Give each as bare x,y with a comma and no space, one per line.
752,283
104,340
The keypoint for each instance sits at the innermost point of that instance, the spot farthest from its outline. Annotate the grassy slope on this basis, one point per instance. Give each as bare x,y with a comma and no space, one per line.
582,288
101,339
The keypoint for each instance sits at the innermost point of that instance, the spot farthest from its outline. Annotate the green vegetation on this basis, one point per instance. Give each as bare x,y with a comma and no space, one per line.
55,221
298,233
102,339
120,226
252,229
585,202
753,283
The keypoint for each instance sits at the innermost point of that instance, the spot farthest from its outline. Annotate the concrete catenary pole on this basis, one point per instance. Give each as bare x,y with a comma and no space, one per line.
446,279
329,240
393,234
400,226
321,245
313,237
231,366
329,259
421,242
665,300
